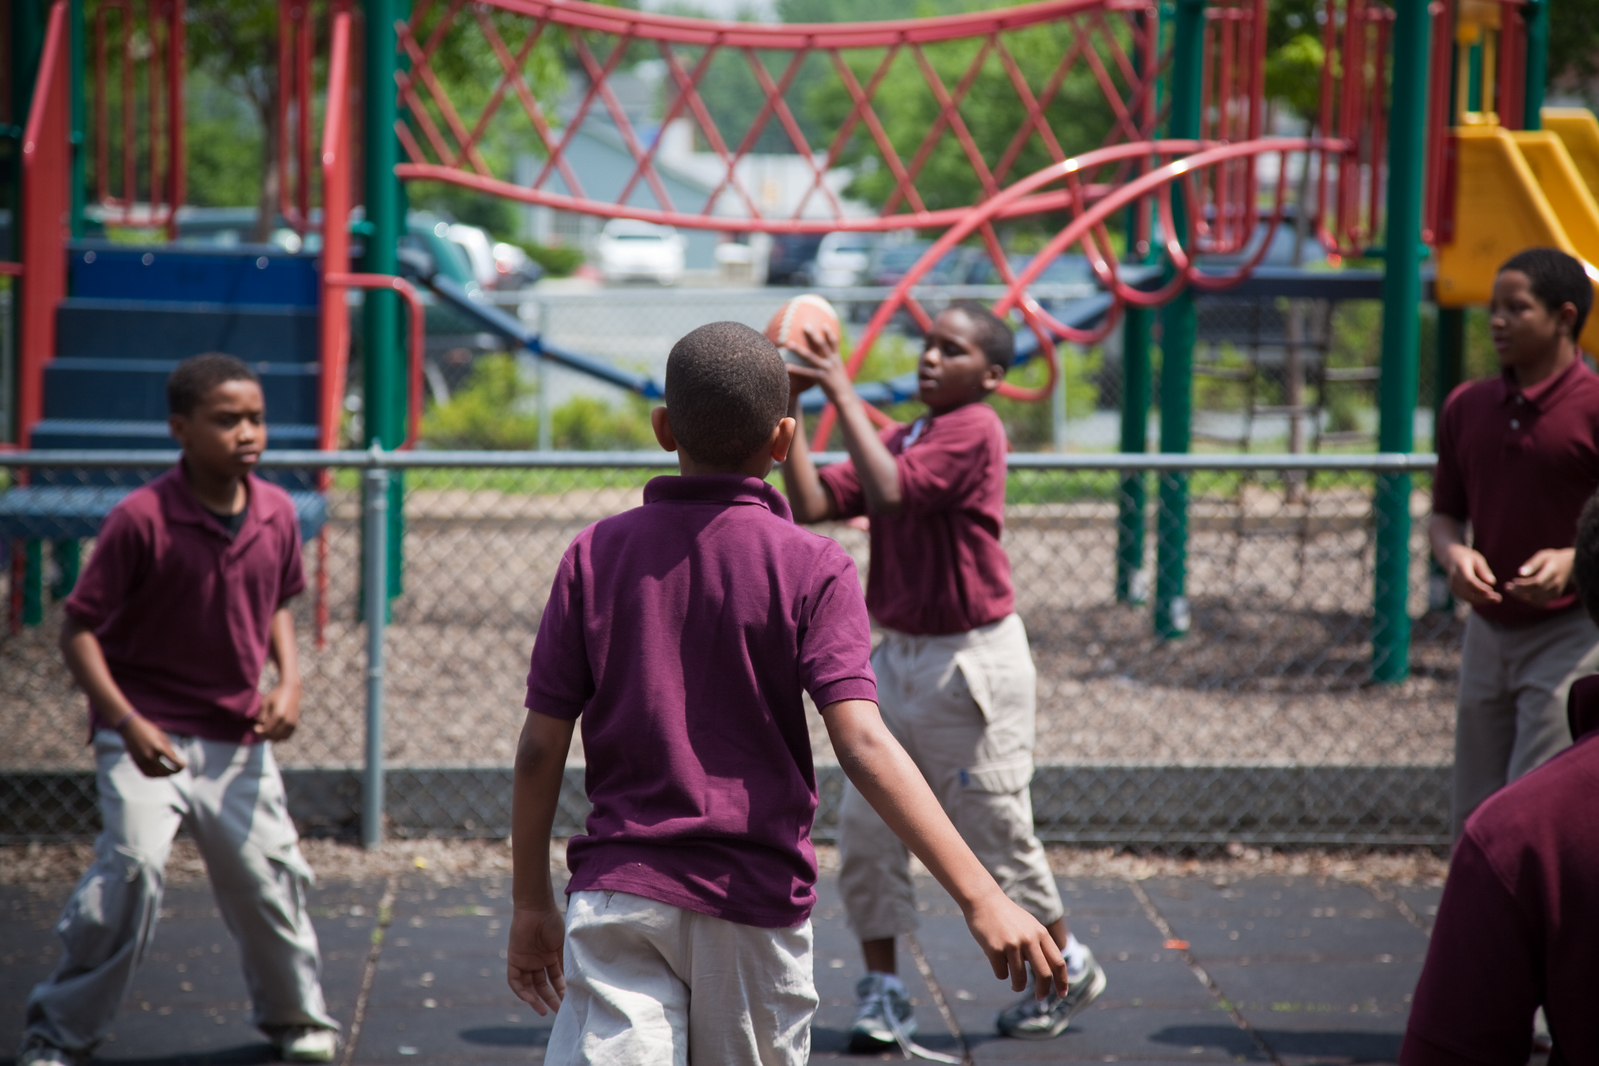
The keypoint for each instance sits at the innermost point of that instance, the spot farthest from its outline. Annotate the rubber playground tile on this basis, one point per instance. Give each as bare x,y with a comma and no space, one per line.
504,1030
1330,1012
1290,921
188,1003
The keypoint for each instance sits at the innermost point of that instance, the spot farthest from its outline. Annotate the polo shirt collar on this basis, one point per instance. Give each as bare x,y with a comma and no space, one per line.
717,488
1541,394
183,507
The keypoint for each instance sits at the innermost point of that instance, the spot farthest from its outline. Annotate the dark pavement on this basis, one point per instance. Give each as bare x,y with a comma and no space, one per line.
1287,970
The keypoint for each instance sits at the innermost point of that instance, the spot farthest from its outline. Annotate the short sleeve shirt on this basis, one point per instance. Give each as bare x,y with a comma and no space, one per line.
937,566
682,635
1518,464
1518,918
183,609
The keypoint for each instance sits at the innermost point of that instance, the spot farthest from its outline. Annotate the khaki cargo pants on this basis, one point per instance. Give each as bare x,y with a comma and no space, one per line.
230,798
963,707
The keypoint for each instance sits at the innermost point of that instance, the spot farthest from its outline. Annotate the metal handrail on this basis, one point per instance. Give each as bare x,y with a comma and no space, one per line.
1381,462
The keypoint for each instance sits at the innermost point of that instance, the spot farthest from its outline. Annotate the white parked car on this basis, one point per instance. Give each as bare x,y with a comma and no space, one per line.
630,250
841,259
479,249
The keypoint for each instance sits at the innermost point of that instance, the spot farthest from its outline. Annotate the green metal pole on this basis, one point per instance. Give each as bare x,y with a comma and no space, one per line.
1178,330
1449,370
1407,124
79,121
1132,581
1536,12
383,372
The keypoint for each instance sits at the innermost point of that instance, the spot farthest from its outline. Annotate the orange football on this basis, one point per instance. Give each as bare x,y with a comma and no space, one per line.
787,327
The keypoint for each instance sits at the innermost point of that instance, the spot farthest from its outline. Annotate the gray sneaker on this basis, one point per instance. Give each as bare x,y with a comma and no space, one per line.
1047,1018
306,1044
879,1012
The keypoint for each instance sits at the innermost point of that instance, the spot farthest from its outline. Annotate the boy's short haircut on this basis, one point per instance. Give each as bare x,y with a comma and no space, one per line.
726,387
1556,279
996,338
198,375
1585,565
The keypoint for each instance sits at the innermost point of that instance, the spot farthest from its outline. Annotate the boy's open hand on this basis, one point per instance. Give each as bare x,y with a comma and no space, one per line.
150,748
280,712
1470,578
1014,940
533,958
1543,577
825,367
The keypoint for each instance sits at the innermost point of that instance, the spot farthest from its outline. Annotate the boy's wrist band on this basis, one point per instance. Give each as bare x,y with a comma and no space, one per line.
126,720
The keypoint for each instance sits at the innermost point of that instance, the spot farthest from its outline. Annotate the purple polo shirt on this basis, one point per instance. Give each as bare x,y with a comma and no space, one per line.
683,632
937,566
184,612
1518,464
1518,926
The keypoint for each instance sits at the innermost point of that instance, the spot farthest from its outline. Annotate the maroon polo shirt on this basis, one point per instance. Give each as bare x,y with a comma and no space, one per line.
183,611
937,566
683,632
1518,464
1518,926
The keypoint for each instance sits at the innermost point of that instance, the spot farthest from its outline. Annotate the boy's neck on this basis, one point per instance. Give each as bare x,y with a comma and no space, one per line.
221,493
1538,371
934,413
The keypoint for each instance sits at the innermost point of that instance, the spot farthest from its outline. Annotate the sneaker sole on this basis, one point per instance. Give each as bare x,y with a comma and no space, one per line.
1096,985
864,1043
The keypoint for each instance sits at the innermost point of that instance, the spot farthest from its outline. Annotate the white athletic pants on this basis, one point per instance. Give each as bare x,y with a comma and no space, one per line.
230,798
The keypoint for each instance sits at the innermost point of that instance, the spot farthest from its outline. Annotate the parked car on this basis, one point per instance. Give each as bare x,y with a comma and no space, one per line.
891,262
631,250
478,248
841,260
789,255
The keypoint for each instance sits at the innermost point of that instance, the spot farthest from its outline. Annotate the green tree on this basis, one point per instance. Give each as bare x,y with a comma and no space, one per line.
1574,45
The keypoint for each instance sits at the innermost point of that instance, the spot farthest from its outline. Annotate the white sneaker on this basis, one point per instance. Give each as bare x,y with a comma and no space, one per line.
306,1045
880,1013
35,1051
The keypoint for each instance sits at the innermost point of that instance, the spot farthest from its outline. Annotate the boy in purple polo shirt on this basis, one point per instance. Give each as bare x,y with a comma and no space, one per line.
1518,456
954,669
167,632
1517,926
683,633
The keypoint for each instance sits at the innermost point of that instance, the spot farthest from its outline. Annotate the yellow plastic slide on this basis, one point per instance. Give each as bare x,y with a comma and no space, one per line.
1520,189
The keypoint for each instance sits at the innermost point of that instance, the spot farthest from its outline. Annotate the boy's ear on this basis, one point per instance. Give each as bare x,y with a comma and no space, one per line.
783,438
992,376
1568,318
663,429
178,427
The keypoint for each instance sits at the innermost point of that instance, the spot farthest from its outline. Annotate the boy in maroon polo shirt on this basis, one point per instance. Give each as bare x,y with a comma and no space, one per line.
954,670
683,633
1518,927
167,632
1518,455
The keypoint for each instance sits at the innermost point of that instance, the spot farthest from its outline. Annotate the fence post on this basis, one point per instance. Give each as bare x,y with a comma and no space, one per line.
546,426
1401,285
1178,328
375,603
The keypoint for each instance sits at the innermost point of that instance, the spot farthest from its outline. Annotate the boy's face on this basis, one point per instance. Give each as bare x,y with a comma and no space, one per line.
1524,328
953,370
226,431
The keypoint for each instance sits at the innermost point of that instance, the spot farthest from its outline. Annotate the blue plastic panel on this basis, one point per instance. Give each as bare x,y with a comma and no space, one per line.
243,274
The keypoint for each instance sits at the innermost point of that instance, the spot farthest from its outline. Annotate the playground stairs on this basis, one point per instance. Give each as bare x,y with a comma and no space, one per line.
134,312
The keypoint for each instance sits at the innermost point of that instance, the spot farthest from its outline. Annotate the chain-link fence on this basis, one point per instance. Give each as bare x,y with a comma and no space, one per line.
1259,724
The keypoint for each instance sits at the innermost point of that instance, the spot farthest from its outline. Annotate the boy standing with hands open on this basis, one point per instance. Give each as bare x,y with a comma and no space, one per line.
955,675
682,633
167,632
1518,456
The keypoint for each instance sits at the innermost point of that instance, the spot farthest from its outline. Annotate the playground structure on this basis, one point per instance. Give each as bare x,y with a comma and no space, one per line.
1179,170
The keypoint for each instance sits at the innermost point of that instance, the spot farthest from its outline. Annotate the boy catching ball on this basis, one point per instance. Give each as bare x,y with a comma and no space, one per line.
955,675
1518,456
167,632
683,633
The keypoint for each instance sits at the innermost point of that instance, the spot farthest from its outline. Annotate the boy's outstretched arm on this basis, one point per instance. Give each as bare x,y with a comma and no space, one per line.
874,463
538,930
877,765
